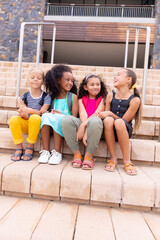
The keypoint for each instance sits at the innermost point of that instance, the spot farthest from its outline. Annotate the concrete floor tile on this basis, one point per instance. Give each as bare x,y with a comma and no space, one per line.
21,221
106,186
130,225
153,221
6,205
17,176
58,222
154,174
75,183
46,179
134,186
93,223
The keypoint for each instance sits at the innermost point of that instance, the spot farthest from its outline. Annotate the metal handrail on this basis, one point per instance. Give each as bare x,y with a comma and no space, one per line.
146,57
39,24
99,10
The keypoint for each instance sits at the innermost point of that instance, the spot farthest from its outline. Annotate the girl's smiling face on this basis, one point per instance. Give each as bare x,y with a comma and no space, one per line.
36,79
121,78
66,82
93,86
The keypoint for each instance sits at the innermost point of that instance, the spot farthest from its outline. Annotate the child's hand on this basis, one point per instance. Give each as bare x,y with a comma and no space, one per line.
55,111
23,109
43,111
81,131
85,139
104,114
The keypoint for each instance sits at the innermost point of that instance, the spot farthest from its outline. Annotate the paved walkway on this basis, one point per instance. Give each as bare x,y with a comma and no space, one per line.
24,219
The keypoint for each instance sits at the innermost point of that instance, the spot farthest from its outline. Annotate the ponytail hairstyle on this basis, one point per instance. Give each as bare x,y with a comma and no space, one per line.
82,92
52,80
138,115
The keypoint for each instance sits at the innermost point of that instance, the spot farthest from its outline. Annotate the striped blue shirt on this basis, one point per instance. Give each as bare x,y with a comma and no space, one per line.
34,102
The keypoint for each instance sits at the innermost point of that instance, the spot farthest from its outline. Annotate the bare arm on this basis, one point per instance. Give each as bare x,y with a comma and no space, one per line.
24,109
133,107
75,106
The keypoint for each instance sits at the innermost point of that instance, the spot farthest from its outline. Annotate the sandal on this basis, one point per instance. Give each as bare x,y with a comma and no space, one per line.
19,155
130,167
112,164
89,162
78,160
28,155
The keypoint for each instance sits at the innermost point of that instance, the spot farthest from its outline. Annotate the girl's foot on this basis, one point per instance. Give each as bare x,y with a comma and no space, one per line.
111,165
77,161
28,155
88,163
130,168
17,155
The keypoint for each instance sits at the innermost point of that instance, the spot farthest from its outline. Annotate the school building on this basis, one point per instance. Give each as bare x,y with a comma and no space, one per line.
88,32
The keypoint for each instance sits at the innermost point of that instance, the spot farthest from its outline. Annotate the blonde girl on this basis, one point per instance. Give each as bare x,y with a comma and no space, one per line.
32,105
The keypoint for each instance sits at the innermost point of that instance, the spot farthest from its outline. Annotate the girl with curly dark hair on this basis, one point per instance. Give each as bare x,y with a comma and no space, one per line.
88,128
61,86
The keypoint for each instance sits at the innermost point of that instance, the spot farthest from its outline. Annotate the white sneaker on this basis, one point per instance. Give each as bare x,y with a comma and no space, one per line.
55,157
44,156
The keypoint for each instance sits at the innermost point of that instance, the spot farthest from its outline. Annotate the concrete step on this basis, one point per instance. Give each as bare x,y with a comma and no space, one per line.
141,150
26,219
96,187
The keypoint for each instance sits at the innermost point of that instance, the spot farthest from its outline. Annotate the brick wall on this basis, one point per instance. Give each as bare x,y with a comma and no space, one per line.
12,14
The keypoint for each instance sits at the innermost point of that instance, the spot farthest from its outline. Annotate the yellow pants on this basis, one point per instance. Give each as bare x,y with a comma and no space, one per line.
19,125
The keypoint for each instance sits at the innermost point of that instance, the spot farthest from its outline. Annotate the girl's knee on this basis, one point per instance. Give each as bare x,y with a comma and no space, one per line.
34,118
95,122
119,124
108,122
13,119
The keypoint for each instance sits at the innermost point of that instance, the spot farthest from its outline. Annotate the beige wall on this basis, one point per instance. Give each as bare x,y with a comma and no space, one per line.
97,54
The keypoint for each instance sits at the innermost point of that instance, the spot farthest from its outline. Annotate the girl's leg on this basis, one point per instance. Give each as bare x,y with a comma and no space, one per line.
110,140
70,125
94,133
33,130
45,136
123,140
57,142
56,153
17,126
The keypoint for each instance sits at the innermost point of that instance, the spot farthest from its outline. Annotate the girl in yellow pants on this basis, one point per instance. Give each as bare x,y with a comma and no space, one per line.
32,105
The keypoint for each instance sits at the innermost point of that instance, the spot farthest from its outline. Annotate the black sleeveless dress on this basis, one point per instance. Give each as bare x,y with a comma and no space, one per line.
119,107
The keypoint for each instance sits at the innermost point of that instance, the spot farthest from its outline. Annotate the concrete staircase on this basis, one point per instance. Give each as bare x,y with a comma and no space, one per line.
64,183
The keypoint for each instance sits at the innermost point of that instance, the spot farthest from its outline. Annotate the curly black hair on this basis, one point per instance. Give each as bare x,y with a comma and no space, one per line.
52,78
82,92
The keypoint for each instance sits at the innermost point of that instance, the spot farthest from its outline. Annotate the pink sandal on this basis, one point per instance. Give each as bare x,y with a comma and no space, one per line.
77,159
89,162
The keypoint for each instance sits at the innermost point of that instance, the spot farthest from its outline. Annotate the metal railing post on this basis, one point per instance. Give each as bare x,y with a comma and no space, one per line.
146,63
126,49
20,58
135,49
146,57
122,10
38,47
53,44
